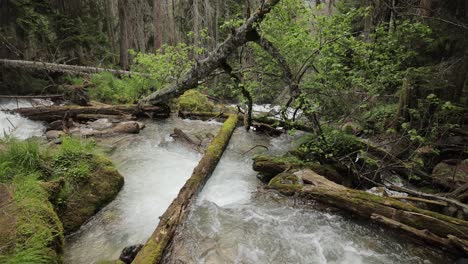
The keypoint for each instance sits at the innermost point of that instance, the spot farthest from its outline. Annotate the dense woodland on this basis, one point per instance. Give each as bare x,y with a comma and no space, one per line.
380,87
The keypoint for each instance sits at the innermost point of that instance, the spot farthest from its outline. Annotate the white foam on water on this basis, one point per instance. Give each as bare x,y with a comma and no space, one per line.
155,168
229,224
17,126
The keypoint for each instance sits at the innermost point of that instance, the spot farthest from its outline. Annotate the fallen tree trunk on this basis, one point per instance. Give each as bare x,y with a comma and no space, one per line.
215,59
160,240
44,96
451,234
53,113
62,68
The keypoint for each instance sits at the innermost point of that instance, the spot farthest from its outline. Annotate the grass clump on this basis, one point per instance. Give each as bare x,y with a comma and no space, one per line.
18,157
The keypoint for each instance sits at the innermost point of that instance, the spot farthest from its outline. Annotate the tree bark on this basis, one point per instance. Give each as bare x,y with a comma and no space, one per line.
157,25
62,68
203,68
124,45
245,93
160,240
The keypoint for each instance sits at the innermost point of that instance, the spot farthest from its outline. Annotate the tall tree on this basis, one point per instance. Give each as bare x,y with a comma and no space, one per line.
157,24
123,20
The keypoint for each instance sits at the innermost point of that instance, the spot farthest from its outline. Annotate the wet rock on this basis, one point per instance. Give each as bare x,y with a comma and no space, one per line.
55,125
100,124
129,127
54,134
129,253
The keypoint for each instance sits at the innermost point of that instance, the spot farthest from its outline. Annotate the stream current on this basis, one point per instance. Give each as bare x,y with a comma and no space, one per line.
230,222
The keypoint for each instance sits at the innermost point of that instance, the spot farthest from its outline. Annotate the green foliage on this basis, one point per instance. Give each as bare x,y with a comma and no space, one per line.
333,144
152,72
193,100
379,117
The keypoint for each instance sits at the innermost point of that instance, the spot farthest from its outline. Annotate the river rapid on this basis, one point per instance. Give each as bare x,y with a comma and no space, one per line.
230,222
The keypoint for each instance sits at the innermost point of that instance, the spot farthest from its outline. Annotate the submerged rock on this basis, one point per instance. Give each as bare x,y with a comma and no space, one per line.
129,253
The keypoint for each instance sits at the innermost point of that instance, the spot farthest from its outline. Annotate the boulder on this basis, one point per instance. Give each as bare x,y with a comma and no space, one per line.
128,127
451,176
129,253
54,134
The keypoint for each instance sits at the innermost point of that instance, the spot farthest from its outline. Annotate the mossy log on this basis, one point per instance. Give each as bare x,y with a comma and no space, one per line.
270,166
53,113
160,240
446,232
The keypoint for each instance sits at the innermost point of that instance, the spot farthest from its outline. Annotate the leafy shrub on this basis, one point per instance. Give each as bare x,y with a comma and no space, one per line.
152,72
379,117
333,144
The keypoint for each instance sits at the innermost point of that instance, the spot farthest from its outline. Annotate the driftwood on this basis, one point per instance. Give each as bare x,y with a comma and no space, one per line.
160,240
62,68
53,113
181,136
448,233
202,69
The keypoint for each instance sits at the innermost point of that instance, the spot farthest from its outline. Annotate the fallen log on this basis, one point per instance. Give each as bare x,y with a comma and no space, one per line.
181,136
160,240
53,113
203,68
451,234
43,96
62,68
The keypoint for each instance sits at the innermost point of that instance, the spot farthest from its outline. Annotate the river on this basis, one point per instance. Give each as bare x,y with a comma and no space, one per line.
231,222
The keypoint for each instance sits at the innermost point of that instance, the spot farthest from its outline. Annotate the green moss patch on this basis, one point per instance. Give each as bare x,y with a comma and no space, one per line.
38,184
194,101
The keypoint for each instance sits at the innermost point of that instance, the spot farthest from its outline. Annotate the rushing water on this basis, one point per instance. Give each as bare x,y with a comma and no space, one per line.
230,223
16,126
155,168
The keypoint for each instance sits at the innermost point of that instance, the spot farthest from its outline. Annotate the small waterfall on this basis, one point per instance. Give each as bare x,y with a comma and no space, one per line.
17,126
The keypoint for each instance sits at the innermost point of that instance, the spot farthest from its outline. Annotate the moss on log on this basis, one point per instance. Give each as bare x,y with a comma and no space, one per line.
153,251
53,113
270,166
447,232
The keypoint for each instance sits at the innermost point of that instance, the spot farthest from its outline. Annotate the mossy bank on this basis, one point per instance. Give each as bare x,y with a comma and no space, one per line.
48,191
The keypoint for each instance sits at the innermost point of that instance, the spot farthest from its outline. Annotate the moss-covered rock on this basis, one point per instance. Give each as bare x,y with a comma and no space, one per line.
101,187
38,183
286,180
193,100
